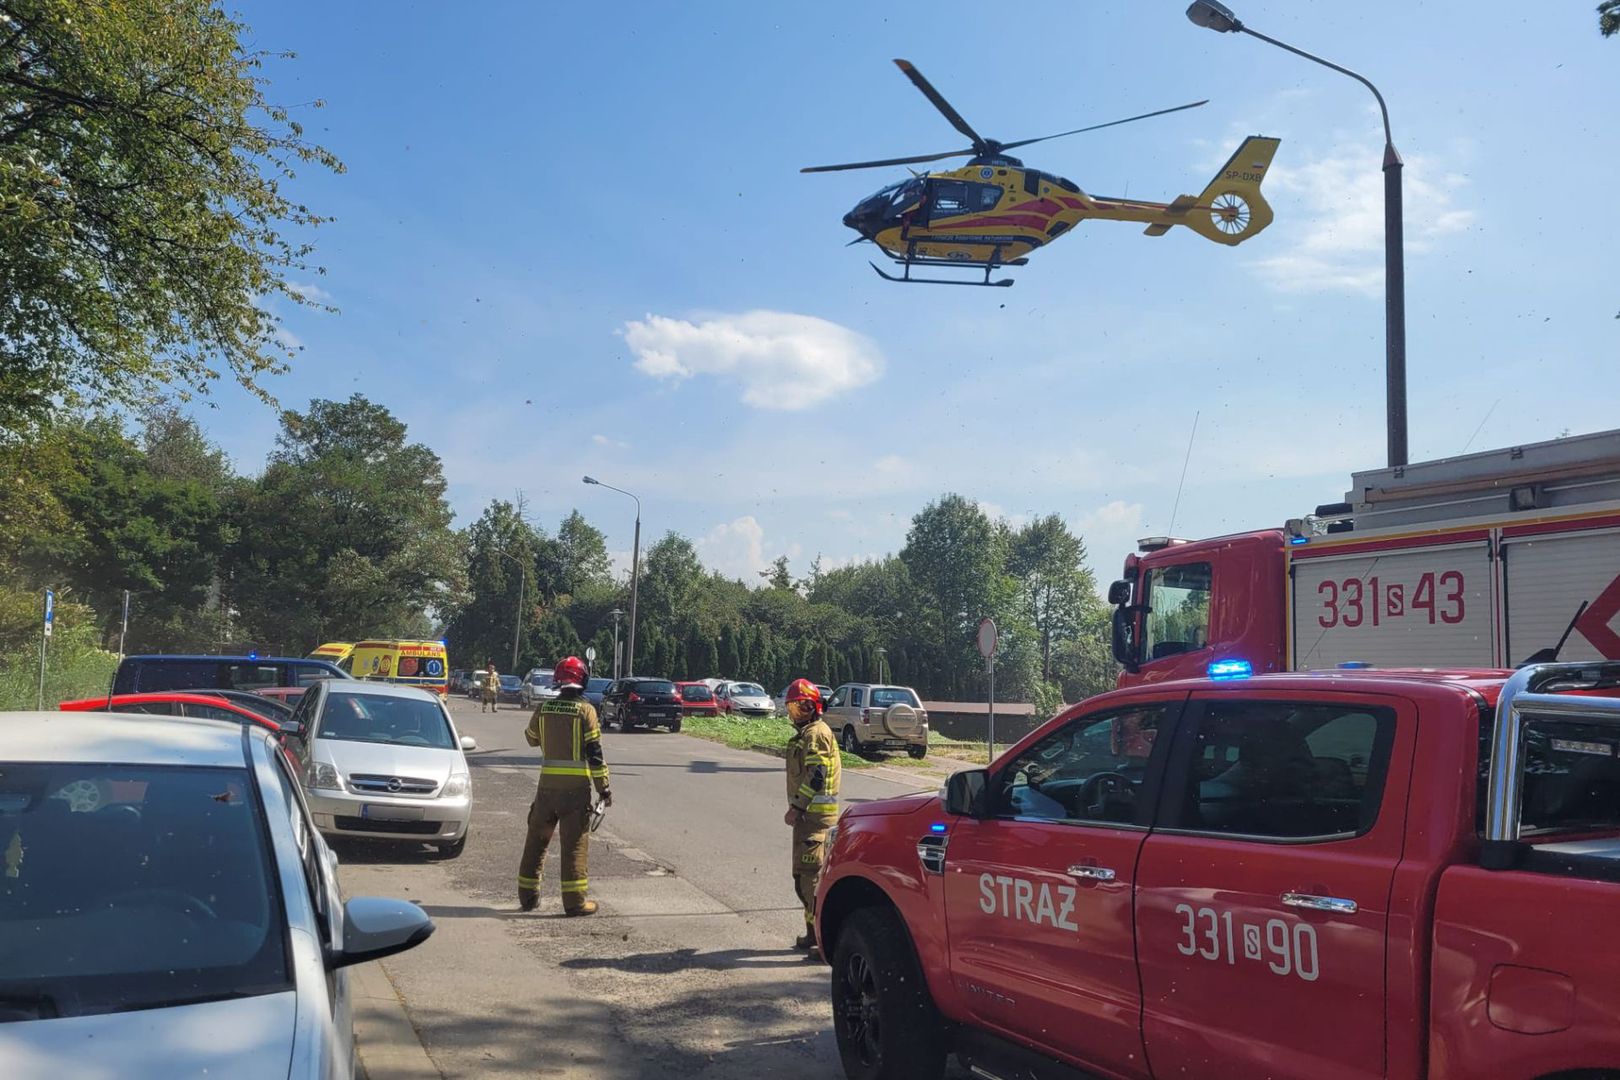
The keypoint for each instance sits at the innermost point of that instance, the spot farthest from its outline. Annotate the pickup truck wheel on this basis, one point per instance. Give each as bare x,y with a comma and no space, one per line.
884,1019
675,727
919,751
849,742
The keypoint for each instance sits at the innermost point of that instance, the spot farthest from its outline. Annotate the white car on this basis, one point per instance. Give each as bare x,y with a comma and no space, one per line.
166,908
384,762
537,687
746,698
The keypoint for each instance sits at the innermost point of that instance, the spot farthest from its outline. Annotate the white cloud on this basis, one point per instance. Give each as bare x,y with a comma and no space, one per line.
603,440
1340,196
309,291
1109,531
738,549
782,360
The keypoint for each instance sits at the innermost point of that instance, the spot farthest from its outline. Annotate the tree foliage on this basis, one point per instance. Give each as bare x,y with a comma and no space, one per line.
1609,17
144,210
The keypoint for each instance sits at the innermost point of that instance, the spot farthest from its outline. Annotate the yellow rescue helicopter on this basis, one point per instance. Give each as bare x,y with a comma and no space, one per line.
993,211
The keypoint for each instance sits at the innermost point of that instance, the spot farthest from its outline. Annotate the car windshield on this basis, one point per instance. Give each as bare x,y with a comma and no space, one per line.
653,686
597,686
384,718
510,682
747,689
133,887
540,678
698,692
884,696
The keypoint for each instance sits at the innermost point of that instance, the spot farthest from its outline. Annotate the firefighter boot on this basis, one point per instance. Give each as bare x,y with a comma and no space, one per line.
528,894
806,940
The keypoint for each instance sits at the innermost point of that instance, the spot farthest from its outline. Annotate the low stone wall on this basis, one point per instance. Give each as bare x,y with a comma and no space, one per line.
969,721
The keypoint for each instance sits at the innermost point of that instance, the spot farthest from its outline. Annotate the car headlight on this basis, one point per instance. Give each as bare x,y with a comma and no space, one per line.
458,785
322,775
832,838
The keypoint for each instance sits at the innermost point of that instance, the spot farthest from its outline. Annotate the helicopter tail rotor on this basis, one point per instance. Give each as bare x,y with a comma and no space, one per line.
1231,209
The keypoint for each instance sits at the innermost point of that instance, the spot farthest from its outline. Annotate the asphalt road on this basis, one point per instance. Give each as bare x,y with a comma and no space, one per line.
688,968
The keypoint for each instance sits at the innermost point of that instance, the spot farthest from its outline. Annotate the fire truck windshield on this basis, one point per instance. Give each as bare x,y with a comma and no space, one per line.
1178,610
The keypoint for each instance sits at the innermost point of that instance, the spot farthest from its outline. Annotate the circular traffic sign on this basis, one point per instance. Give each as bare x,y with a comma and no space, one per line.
987,638
590,654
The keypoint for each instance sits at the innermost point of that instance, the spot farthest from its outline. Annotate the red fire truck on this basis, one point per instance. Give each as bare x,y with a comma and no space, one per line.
1484,560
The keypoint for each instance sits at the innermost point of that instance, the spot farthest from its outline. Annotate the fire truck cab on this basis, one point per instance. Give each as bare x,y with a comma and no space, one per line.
1487,560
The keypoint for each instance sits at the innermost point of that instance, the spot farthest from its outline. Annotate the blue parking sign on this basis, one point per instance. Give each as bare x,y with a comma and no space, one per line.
50,610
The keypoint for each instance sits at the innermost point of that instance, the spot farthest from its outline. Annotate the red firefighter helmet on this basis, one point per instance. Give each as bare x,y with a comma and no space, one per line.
805,690
570,672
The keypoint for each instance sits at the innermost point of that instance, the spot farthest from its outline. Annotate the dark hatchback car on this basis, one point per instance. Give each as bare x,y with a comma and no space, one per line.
144,674
633,703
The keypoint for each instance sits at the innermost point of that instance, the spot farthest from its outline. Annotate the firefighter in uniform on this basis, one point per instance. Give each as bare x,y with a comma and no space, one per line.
489,689
571,763
813,769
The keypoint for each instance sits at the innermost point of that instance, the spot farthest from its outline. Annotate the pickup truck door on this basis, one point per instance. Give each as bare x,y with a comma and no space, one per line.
1262,894
1038,892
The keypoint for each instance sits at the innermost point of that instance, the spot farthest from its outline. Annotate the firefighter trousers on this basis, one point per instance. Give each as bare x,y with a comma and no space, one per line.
570,811
809,849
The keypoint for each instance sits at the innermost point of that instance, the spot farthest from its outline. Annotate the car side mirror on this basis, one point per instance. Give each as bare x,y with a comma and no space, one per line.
375,927
292,729
964,792
1124,639
1119,592
469,743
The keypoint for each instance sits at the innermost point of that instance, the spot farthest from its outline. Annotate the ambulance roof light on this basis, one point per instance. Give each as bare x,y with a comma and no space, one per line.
1230,669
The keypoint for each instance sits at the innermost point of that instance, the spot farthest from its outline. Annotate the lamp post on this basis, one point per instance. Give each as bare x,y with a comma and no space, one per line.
1219,17
635,576
517,625
616,612
881,655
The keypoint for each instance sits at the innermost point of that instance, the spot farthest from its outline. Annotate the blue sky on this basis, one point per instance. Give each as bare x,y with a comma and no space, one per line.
574,239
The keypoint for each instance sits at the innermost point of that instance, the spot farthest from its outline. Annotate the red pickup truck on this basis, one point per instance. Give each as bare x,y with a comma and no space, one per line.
1331,875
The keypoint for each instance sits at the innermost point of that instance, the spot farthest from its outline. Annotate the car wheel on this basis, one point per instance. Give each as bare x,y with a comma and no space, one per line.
849,742
883,1017
675,727
454,848
919,751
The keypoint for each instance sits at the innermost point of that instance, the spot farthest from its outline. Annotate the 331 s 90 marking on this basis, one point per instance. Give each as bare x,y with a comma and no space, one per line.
1286,948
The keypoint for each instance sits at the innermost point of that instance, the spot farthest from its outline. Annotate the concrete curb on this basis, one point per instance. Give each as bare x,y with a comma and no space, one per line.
386,1041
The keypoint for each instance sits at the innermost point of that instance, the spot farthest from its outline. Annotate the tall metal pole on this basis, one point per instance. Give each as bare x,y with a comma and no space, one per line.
635,582
990,669
1218,17
517,626
123,627
616,614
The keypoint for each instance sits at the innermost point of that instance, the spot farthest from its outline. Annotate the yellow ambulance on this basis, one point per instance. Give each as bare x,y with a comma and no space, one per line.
412,663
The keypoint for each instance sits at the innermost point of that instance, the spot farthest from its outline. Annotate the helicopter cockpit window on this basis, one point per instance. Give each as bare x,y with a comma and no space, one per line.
950,198
988,196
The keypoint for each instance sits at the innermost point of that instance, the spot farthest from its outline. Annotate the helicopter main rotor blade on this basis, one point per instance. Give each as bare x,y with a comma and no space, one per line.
939,101
891,161
1098,127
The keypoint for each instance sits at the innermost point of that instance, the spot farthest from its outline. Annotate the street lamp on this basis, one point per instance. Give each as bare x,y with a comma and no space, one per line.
1219,17
616,612
880,655
635,576
517,626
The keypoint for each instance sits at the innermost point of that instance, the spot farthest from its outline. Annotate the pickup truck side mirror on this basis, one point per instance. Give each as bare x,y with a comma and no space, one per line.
964,792
292,729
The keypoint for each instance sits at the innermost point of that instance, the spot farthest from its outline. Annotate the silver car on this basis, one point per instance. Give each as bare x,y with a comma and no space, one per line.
746,698
537,687
166,908
384,762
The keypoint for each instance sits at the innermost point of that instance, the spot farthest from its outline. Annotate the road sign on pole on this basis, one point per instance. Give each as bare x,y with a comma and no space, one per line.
123,627
44,636
590,654
50,610
987,638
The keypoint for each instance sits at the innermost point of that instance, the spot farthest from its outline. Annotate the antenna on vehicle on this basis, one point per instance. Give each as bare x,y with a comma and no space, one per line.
1481,427
1177,505
1550,656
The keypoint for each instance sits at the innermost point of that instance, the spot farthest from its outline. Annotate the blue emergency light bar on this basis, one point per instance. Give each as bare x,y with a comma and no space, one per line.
1230,669
936,827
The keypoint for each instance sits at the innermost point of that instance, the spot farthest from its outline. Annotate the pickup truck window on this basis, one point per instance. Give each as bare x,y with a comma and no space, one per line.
1090,770
1286,771
1571,777
1178,610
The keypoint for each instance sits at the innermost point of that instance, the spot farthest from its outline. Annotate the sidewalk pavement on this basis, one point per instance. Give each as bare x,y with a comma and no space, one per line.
387,1044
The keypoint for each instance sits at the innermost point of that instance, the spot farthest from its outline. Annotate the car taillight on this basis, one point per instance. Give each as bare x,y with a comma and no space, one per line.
634,697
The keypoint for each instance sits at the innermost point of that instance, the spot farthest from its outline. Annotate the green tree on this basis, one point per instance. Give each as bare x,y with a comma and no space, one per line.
582,551
500,555
778,577
955,557
1609,17
347,532
1055,586
144,197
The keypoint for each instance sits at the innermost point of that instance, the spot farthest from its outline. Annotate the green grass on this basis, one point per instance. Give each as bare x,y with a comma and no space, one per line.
764,734
75,668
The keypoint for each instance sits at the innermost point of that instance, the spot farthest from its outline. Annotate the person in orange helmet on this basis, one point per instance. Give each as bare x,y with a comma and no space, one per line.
813,774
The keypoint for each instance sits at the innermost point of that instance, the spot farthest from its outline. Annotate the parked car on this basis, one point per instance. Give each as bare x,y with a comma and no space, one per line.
595,688
458,680
142,674
537,687
781,697
511,690
173,914
745,699
641,702
287,695
185,703
866,717
697,699
383,761
1250,877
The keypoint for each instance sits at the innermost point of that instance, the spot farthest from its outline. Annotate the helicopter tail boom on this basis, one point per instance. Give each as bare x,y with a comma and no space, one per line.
1231,209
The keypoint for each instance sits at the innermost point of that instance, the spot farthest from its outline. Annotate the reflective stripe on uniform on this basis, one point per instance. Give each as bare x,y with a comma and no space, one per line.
575,886
528,882
823,806
563,770
599,771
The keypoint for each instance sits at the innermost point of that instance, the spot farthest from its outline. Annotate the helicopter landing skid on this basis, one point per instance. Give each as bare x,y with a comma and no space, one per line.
910,260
